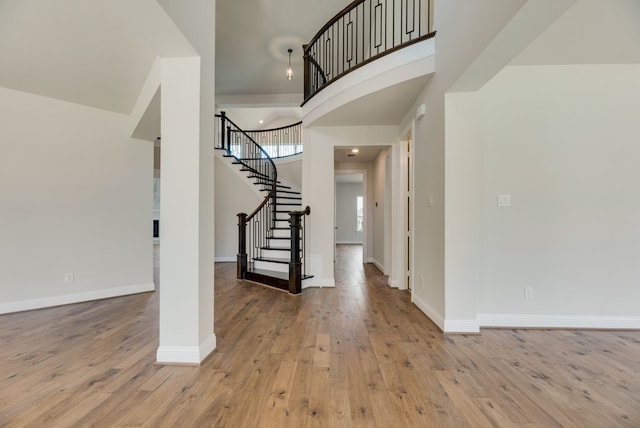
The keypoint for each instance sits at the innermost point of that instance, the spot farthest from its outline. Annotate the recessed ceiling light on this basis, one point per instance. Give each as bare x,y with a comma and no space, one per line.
354,150
261,121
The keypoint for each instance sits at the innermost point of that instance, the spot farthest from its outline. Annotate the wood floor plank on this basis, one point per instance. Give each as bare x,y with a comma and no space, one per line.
357,355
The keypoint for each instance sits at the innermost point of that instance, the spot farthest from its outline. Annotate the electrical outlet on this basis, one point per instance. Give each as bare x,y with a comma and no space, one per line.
528,293
69,277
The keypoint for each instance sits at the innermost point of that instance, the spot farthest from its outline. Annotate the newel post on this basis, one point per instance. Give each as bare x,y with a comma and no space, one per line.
295,262
306,76
223,129
242,246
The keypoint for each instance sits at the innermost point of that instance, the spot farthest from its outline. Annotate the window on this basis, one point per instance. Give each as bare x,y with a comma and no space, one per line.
359,214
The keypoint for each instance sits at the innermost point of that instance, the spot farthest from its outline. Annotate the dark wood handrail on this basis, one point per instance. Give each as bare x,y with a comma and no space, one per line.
333,20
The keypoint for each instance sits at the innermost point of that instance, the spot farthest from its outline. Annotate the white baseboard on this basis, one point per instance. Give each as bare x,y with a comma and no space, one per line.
393,282
461,326
428,311
48,302
224,259
558,321
188,355
446,325
318,282
376,264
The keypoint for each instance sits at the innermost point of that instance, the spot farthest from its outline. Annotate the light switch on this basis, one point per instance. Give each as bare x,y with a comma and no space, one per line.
430,200
504,200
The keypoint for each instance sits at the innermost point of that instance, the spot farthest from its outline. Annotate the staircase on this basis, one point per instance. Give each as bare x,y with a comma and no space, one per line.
271,244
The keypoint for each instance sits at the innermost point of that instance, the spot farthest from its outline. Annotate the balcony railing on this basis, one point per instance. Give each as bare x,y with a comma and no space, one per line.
360,33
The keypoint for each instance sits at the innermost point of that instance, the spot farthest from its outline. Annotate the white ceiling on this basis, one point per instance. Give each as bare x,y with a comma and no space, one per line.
252,38
98,53
384,107
364,155
95,53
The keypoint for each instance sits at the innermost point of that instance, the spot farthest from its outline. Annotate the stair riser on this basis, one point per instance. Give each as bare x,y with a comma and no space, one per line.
278,267
278,254
279,243
280,233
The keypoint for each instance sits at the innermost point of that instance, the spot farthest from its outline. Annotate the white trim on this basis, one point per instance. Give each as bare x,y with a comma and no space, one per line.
461,326
47,302
558,321
318,282
207,346
393,282
433,315
191,355
178,355
225,259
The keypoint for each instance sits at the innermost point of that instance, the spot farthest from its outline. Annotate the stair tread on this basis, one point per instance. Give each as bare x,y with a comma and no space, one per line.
276,249
278,186
275,274
271,273
272,259
289,192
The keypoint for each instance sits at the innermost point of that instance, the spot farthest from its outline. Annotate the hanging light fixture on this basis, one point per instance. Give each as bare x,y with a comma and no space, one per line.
289,69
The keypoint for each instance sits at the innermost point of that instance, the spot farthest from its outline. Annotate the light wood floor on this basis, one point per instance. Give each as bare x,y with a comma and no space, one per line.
359,355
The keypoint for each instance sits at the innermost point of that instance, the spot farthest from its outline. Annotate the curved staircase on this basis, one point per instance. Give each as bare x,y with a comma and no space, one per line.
271,238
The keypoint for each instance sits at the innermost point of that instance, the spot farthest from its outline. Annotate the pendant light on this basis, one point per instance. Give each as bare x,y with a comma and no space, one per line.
289,69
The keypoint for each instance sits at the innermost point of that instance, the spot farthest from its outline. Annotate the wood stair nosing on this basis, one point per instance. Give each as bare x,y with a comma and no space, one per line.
272,260
292,192
282,187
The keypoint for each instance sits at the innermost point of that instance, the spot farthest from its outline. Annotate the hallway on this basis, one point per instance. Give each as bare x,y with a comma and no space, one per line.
357,355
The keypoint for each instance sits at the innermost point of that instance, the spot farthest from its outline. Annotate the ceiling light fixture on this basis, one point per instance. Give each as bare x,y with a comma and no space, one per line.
289,69
354,150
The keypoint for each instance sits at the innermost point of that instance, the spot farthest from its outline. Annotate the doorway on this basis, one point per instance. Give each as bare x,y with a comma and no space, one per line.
350,213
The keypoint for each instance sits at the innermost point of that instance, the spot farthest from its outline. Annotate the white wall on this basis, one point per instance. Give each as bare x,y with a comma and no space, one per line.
463,29
233,196
563,141
463,186
346,213
76,196
290,171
